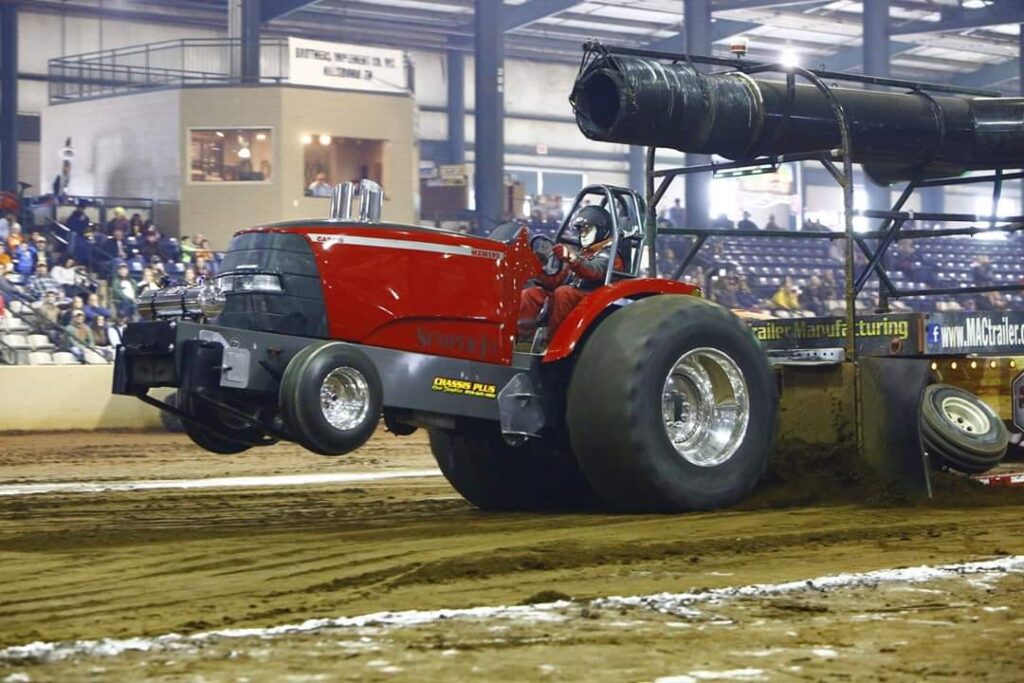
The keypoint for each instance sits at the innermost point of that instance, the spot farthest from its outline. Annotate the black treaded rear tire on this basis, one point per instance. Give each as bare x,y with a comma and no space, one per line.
211,430
300,398
495,476
614,410
210,440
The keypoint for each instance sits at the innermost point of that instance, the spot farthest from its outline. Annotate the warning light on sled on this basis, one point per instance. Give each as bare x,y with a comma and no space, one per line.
1013,363
974,364
953,365
935,366
992,364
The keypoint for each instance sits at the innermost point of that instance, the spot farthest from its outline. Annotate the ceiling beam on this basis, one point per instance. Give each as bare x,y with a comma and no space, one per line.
517,16
958,19
728,5
990,74
720,30
851,57
273,9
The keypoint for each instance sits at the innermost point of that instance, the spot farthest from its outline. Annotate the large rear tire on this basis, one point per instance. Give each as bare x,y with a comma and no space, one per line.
494,475
672,406
214,430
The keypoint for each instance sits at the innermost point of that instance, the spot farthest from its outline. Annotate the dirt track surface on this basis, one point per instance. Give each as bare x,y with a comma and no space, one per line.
145,563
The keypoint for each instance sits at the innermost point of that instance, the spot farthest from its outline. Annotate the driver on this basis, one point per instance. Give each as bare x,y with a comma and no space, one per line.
581,273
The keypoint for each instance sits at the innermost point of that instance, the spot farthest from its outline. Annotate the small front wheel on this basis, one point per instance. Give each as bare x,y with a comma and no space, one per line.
331,398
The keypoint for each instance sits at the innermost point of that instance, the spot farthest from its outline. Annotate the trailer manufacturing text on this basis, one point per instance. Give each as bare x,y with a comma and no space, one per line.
834,329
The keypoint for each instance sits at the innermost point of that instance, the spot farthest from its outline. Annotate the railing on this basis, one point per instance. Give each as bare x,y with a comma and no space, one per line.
168,64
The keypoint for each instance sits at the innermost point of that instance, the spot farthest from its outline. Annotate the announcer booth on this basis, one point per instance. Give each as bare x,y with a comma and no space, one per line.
235,155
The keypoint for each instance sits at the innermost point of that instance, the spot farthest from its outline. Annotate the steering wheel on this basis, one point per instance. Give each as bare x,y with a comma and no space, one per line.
543,247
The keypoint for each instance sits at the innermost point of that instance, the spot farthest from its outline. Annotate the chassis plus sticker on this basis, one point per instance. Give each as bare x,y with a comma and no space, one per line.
464,387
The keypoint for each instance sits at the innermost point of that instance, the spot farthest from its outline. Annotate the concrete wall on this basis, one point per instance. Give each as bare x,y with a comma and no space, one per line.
68,397
124,146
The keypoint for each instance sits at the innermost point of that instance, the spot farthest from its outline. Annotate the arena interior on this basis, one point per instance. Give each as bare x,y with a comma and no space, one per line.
652,340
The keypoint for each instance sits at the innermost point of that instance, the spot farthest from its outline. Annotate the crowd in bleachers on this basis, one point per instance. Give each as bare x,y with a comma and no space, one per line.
66,293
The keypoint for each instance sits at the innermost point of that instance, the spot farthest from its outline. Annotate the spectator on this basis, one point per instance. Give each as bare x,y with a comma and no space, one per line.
41,282
24,259
205,250
7,221
78,222
829,286
93,309
14,236
188,249
79,330
723,223
787,296
151,246
202,266
115,331
101,336
726,294
745,222
148,281
123,292
319,187
188,278
6,264
85,248
120,220
771,224
116,247
677,215
135,225
77,306
66,276
49,309
981,271
62,181
991,301
744,296
814,297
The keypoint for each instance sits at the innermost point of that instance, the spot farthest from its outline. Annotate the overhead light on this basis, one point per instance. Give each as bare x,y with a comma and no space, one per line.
974,4
307,138
220,134
244,153
325,139
789,58
261,136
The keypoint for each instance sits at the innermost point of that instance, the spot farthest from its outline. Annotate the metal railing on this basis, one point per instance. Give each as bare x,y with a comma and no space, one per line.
168,64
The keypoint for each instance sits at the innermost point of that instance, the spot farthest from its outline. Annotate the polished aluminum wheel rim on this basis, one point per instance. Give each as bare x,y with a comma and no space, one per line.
965,415
345,398
705,407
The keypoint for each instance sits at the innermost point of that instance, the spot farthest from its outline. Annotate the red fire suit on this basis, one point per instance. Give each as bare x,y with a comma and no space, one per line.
566,288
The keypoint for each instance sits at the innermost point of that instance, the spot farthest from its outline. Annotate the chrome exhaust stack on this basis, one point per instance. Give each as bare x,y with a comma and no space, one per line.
371,199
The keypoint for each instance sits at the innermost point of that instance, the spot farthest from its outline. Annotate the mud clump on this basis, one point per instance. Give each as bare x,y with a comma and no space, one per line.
813,474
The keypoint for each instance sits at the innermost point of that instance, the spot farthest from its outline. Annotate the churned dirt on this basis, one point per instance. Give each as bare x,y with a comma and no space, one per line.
145,563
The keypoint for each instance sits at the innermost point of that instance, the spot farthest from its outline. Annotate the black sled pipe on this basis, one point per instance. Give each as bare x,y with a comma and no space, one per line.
895,136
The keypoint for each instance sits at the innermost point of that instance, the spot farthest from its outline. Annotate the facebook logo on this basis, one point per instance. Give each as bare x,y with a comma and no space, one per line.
933,333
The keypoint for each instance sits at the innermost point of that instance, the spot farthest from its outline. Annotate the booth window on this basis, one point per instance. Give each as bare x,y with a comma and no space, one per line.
220,155
329,160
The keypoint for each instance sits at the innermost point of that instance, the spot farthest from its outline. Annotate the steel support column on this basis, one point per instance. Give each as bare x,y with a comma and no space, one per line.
8,96
876,63
456,63
637,168
697,29
251,41
489,144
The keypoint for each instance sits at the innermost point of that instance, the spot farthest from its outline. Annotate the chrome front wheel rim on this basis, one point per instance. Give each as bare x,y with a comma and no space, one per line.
705,407
344,398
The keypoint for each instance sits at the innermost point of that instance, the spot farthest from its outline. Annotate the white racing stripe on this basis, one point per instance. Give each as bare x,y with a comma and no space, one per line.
549,612
213,483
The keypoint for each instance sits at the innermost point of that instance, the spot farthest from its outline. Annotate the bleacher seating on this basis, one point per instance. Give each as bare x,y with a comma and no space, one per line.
40,358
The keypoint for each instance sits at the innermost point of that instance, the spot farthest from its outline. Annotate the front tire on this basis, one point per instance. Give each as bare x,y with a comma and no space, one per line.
496,476
331,398
672,406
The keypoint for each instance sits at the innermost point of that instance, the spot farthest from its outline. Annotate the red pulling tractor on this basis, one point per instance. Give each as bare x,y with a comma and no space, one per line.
647,395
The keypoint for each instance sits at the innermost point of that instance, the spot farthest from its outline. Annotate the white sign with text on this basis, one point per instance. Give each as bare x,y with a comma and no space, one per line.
339,65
